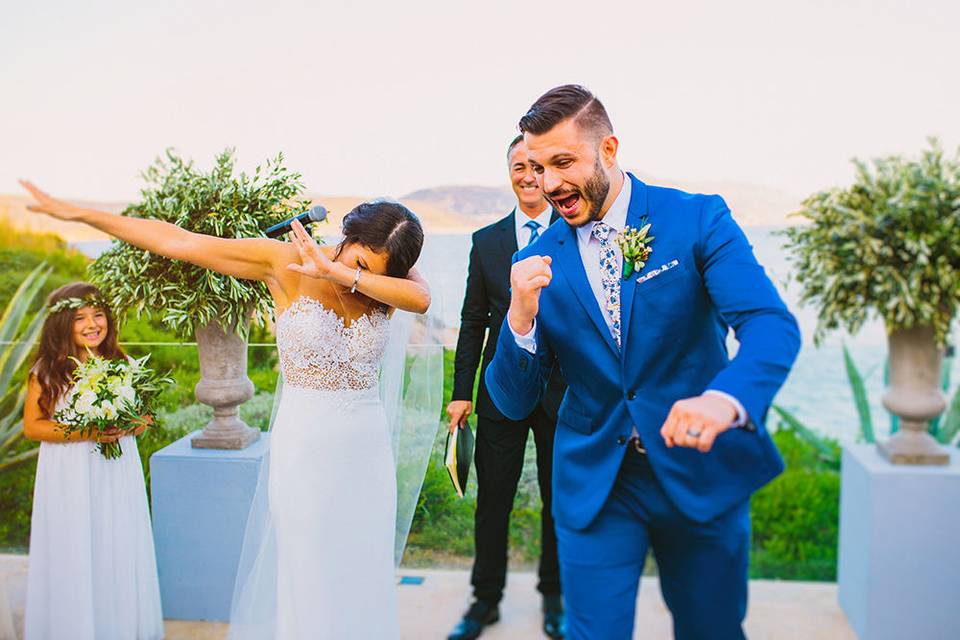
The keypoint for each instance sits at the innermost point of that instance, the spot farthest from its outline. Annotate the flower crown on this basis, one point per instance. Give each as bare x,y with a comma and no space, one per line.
77,303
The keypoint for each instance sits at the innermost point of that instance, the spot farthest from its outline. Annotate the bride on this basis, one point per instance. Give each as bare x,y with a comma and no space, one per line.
320,563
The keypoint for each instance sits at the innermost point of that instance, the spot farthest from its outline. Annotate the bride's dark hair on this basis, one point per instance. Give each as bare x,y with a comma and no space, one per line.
385,227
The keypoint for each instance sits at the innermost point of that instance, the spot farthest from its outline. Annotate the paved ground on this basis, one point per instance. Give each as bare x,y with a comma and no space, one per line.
778,610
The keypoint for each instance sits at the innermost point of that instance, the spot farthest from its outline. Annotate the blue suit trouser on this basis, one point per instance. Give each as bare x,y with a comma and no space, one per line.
702,566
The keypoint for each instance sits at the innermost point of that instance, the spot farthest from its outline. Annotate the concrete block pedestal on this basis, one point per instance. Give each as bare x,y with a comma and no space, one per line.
898,571
200,500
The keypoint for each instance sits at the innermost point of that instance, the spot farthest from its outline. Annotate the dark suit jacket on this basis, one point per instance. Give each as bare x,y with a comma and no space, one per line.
484,306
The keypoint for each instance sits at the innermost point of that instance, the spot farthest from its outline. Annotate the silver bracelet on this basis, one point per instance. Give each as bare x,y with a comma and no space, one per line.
356,280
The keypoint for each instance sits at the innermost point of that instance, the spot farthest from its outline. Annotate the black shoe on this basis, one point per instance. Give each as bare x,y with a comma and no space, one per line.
554,622
479,615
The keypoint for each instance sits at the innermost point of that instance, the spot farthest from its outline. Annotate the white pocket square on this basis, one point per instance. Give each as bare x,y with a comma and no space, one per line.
653,273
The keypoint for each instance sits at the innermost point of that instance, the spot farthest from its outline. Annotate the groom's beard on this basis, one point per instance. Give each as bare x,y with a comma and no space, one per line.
594,192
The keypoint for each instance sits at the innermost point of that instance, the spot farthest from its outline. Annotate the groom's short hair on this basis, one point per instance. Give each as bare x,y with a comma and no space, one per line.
565,102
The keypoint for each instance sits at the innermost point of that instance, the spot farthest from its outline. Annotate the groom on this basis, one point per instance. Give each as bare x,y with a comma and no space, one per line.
660,438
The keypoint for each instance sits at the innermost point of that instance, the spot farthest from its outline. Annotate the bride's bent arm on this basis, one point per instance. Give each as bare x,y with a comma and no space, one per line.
247,258
409,294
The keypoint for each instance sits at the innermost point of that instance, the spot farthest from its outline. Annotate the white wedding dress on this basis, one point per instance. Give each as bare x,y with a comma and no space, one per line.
319,564
92,572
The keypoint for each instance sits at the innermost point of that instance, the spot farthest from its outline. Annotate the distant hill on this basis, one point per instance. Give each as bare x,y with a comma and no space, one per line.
468,200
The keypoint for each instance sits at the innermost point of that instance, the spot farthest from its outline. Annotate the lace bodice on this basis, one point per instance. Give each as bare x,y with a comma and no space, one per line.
318,351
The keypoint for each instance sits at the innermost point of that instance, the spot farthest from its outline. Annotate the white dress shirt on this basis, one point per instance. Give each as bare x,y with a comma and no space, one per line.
524,232
589,246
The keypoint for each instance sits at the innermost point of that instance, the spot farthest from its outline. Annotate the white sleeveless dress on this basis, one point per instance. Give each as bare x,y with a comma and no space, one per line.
332,489
92,572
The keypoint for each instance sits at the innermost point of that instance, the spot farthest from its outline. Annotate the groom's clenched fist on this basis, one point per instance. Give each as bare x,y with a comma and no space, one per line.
696,422
527,278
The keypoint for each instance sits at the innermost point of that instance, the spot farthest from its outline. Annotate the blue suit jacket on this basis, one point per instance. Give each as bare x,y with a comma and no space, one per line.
674,346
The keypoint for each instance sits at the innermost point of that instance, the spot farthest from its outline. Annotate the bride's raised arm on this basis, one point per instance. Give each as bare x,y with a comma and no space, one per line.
247,258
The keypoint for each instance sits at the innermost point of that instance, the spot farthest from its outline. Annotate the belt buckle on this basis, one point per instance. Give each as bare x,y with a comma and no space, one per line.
637,446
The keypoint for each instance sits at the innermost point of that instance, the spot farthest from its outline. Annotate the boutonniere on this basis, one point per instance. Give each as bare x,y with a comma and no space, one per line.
635,246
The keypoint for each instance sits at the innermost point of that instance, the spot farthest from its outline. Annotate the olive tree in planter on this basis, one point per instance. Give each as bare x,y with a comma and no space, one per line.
215,308
889,245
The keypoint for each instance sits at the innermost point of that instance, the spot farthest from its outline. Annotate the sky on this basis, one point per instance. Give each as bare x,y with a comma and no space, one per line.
380,99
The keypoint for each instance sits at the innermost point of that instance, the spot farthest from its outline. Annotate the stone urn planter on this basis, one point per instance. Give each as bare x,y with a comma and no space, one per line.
914,395
223,385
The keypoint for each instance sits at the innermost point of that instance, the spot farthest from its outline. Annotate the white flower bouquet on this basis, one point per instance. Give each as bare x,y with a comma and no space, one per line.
110,395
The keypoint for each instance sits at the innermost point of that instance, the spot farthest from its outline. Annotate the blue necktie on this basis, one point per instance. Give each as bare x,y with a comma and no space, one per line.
534,227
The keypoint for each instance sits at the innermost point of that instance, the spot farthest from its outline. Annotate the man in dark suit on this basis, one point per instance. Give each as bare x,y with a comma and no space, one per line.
501,442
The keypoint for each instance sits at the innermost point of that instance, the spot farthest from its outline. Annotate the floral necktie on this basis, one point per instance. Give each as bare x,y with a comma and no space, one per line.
608,276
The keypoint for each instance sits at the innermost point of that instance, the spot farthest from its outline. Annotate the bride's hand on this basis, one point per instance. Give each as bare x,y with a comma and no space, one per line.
50,205
314,262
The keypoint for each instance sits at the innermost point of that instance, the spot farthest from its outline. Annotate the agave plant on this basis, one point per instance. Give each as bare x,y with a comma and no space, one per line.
859,390
829,456
15,346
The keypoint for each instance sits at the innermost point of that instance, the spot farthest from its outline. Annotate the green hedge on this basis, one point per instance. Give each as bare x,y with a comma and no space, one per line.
16,500
16,264
795,517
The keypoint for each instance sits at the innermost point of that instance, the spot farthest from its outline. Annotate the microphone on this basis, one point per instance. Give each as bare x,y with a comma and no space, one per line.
316,214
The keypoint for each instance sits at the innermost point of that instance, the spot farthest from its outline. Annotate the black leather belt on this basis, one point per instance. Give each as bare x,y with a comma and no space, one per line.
636,445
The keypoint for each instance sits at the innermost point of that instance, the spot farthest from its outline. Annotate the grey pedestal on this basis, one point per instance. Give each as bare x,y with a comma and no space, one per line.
201,499
899,557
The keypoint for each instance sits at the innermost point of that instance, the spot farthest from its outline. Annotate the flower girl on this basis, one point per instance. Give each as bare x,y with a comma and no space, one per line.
92,572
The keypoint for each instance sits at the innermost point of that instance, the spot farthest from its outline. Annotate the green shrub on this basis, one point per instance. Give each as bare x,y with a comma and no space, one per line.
443,525
887,246
220,202
264,379
16,501
795,517
255,412
442,522
16,264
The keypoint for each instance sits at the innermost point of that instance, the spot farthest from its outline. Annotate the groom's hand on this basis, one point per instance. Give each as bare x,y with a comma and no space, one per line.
696,422
527,278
